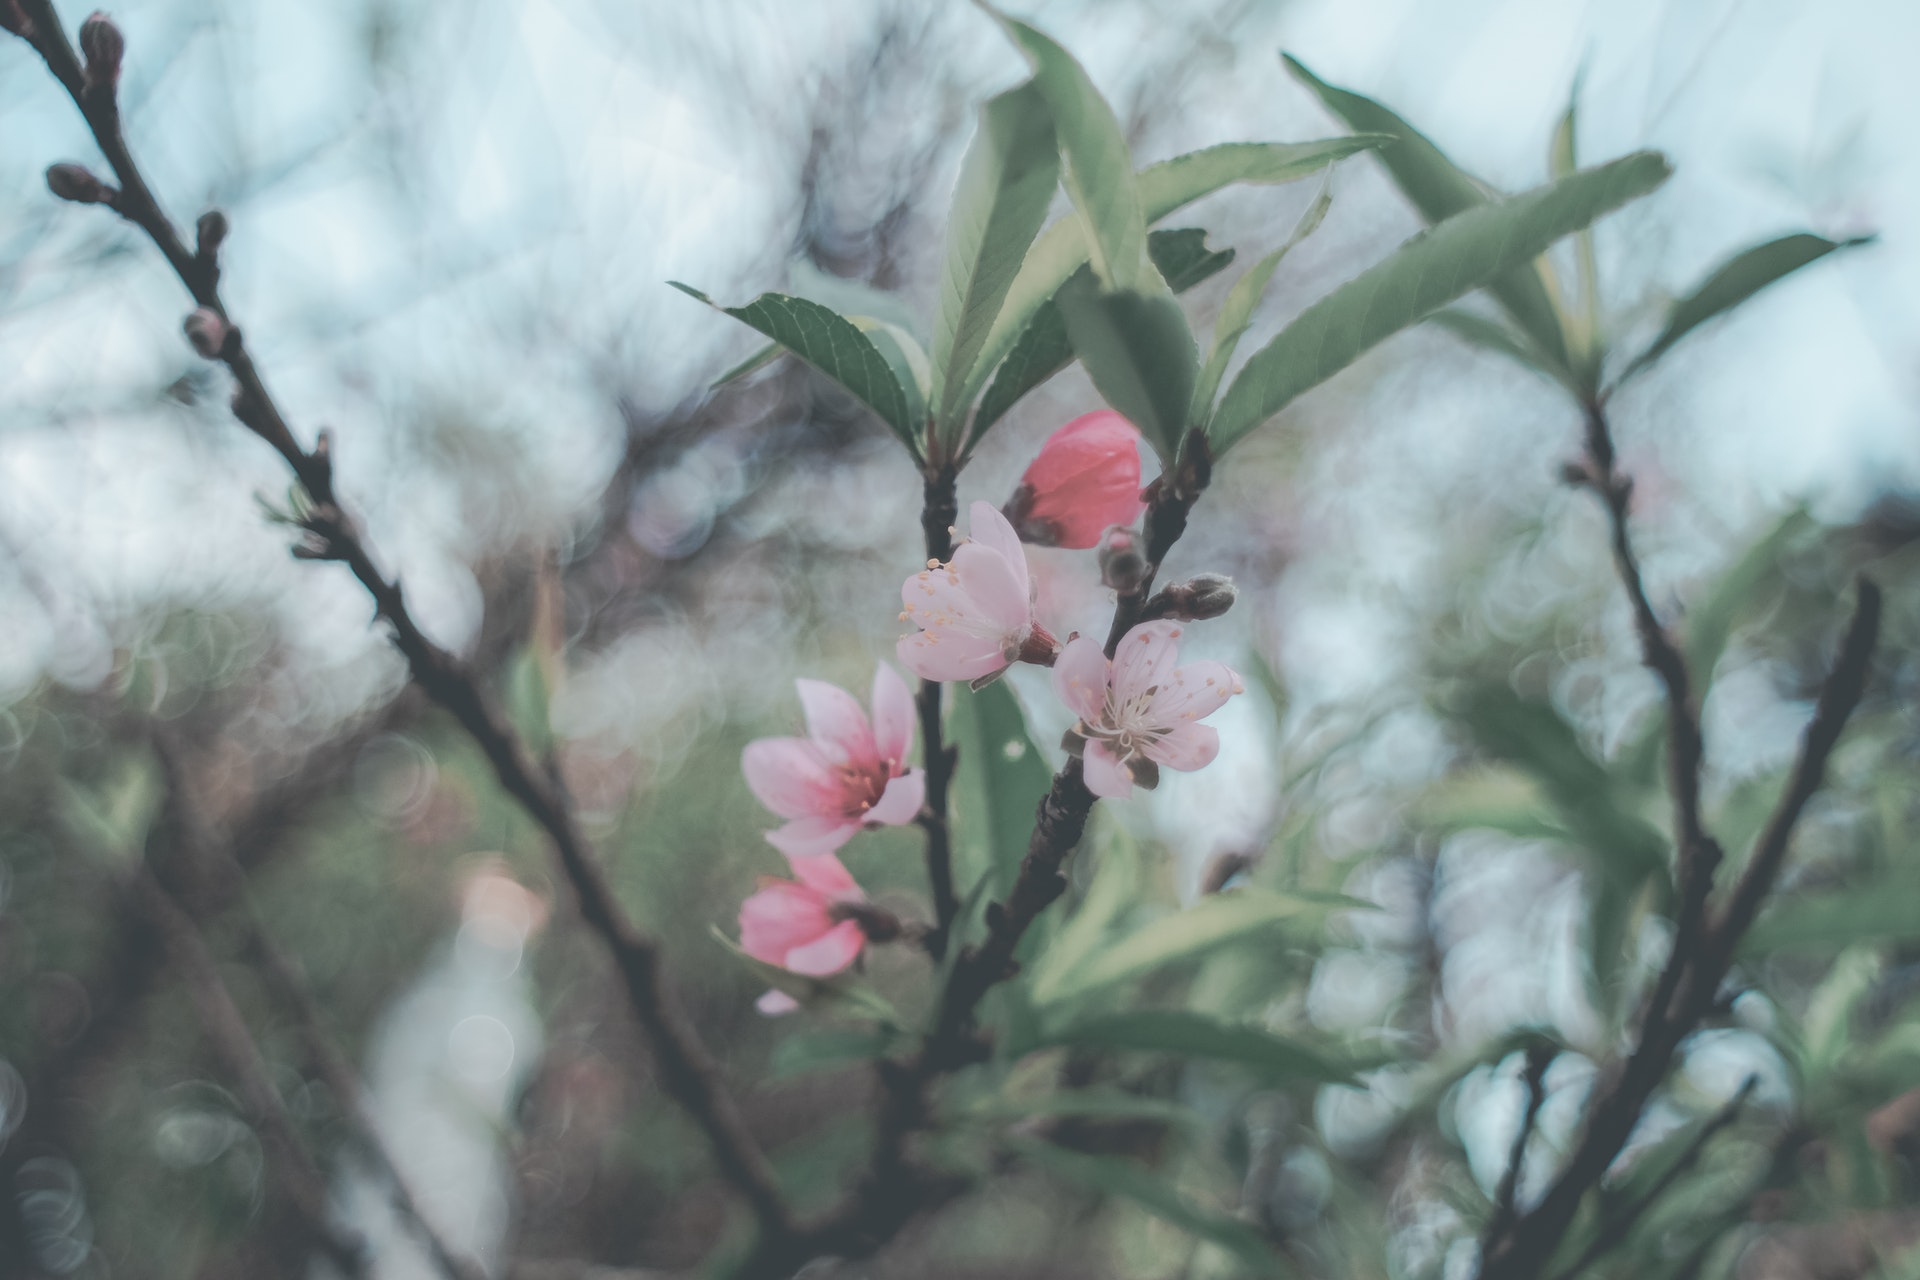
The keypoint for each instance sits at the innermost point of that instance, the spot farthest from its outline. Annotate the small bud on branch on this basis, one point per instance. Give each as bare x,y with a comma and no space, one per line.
207,332
1203,596
1123,564
103,47
210,232
75,182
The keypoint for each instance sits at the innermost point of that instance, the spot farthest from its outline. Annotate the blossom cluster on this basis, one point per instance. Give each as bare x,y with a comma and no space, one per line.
973,617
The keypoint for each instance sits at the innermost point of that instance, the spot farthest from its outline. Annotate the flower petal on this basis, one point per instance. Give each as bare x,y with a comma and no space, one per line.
813,836
792,778
1001,596
893,716
1147,656
943,599
950,655
990,529
775,1003
1080,678
825,874
837,724
781,916
1185,747
900,803
829,953
1103,773
1194,692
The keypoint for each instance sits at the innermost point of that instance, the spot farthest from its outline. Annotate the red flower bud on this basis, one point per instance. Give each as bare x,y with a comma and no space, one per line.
1085,480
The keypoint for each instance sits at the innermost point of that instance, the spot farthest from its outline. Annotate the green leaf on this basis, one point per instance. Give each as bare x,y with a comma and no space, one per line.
1115,1177
1195,1035
835,346
1164,189
1006,183
1491,335
905,360
1582,328
1236,313
1439,190
1183,259
1495,798
1085,1104
1830,922
998,786
1116,887
1711,620
1533,738
1736,280
1210,923
752,364
1099,168
1044,349
1432,269
1140,354
811,1051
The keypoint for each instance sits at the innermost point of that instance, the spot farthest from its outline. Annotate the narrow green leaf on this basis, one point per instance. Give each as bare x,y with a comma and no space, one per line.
811,1051
1439,189
1831,922
1006,183
1111,1176
1164,189
752,364
1087,1104
1711,620
1116,887
1210,923
1582,328
1236,313
1435,267
1736,280
1181,257
1195,1035
835,346
1491,335
1140,354
1099,168
905,360
998,786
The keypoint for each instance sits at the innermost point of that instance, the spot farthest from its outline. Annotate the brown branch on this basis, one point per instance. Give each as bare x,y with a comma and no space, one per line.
1539,1058
226,1031
1612,1231
937,515
688,1070
1702,950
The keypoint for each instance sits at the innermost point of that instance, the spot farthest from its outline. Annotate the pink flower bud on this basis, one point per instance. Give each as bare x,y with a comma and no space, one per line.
1086,477
207,332
1123,565
808,925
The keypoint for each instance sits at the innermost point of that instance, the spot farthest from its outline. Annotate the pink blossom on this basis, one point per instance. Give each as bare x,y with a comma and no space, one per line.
1138,711
847,773
803,924
975,612
1085,479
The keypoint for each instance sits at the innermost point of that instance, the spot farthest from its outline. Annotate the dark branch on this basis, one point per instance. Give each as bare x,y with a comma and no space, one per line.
1539,1058
687,1069
937,515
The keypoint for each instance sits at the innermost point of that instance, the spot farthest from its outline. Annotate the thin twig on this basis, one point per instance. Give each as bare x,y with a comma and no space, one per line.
226,1031
1612,1231
688,1070
939,510
1539,1058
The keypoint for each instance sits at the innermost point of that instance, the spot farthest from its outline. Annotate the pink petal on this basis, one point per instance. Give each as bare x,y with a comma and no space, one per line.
893,715
837,723
830,953
811,837
900,803
1087,477
944,599
950,655
1002,596
990,529
775,1003
791,777
1185,747
1102,772
1194,692
825,874
1147,656
781,916
1080,678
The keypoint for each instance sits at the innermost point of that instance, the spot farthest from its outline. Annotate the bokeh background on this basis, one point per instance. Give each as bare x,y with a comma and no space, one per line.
452,228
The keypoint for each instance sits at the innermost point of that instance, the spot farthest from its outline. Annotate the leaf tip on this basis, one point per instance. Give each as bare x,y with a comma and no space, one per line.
691,292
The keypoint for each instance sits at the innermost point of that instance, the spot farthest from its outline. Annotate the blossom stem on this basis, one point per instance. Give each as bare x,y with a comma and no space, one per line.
938,512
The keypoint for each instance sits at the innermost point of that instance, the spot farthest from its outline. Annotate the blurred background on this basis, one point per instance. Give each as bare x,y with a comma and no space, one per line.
452,228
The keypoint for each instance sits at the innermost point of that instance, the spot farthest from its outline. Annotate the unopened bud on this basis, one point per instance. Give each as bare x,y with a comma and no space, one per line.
103,46
207,332
1085,478
210,233
1203,596
76,182
1123,565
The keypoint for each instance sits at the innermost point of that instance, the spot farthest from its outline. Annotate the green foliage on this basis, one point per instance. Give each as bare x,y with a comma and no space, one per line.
1006,183
1000,779
1140,354
836,347
1275,1058
1443,263
1736,280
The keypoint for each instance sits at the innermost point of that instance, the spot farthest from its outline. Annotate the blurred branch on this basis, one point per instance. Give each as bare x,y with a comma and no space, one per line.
1702,952
688,1070
1539,1058
226,1031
